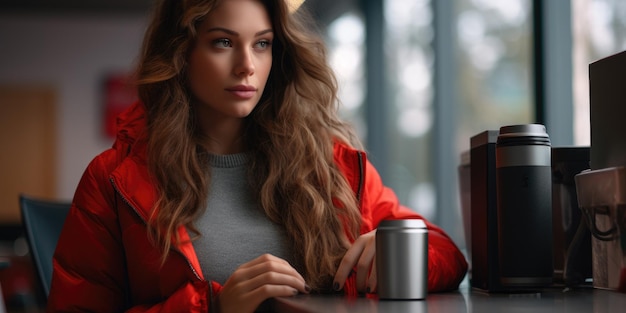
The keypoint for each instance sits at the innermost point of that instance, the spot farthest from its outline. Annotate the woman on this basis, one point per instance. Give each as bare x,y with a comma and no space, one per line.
232,181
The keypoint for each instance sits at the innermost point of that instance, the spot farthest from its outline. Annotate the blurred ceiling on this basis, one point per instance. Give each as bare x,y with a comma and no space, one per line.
323,10
74,6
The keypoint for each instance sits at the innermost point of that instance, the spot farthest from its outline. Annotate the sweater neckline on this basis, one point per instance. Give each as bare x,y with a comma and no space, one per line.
228,160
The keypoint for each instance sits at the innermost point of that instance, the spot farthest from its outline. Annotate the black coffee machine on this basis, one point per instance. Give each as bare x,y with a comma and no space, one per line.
567,261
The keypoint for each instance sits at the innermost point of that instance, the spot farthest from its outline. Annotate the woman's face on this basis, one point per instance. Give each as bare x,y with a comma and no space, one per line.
231,60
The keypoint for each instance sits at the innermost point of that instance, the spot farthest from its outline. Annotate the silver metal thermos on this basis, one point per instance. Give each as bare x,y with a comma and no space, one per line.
524,202
402,259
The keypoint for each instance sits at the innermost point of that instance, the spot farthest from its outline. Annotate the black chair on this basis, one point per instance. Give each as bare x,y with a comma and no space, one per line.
4,263
43,221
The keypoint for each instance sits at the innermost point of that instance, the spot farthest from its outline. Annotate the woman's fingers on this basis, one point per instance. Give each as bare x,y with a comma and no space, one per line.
347,263
262,278
266,264
365,267
361,254
372,282
275,277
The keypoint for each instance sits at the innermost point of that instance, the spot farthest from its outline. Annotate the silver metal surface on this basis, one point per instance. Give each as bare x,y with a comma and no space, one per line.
402,259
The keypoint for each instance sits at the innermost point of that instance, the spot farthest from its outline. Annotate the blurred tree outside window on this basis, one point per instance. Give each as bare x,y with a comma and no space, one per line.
495,66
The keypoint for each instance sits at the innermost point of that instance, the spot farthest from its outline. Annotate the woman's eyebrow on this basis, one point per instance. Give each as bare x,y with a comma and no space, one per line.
263,32
234,33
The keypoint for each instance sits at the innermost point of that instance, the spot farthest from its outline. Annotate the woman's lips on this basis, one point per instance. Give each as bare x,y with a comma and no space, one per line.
243,92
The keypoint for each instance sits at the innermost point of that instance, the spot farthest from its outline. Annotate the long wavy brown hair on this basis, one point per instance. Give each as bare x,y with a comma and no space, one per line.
289,136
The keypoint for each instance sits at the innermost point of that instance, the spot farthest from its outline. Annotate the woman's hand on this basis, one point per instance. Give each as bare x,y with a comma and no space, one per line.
362,254
262,278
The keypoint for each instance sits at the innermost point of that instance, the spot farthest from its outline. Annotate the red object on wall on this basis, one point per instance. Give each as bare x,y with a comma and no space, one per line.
119,94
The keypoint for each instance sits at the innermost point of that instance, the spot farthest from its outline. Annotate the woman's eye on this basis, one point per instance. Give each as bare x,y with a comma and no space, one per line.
222,43
263,44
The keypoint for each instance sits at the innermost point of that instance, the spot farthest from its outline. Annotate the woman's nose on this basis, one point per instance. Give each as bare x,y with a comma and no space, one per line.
244,65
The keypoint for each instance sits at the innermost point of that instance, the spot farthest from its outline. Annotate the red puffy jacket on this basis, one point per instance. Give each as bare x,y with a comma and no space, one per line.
104,261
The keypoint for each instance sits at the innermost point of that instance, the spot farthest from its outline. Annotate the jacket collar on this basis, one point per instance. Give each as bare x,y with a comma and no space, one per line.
131,177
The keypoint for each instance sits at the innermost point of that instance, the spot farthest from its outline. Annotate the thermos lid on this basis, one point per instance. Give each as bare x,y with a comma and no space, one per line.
527,130
399,224
525,134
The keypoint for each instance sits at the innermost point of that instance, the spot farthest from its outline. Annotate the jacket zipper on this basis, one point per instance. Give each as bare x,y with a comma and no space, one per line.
361,178
145,223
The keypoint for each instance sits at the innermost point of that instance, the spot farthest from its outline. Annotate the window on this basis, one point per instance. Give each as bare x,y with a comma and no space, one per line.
453,69
480,78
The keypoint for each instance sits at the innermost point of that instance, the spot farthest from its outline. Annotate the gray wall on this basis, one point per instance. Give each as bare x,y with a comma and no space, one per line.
72,53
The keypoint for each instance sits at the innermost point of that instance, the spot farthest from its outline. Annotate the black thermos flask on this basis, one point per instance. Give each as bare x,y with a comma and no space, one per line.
524,205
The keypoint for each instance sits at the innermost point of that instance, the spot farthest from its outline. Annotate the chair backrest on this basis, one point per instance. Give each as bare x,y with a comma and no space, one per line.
43,221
